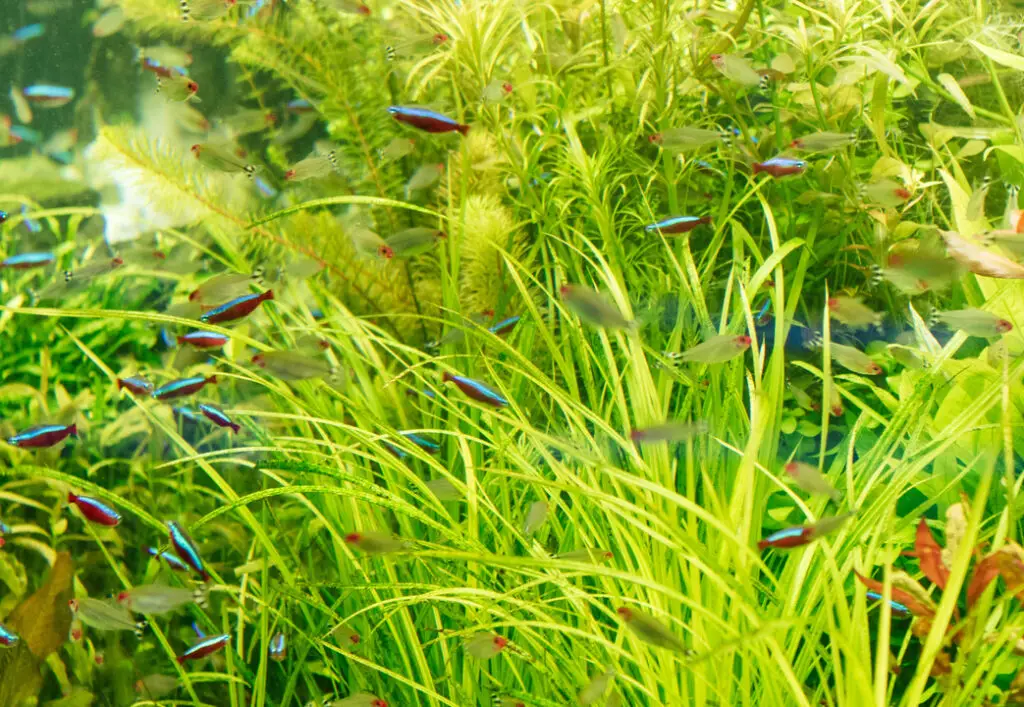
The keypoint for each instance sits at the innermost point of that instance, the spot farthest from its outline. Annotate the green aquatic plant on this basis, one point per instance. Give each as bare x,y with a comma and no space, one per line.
512,543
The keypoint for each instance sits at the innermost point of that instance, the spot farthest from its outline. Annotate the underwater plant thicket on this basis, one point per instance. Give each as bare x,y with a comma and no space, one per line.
590,512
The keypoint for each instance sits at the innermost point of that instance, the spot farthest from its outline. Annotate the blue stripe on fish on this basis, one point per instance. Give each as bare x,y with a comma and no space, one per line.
23,34
785,533
174,562
422,442
481,389
216,311
186,548
176,385
35,432
894,605
48,92
504,325
25,260
8,637
27,134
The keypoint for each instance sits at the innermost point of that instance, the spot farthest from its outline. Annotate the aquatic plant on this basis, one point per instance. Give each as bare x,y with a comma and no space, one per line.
517,509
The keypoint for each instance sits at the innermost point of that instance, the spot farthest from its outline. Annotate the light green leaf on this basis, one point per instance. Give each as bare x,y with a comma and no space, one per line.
1010,61
949,83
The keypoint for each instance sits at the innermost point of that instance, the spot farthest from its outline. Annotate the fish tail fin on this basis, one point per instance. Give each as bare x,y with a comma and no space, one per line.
235,427
446,377
72,497
268,295
181,339
757,168
211,379
73,430
462,128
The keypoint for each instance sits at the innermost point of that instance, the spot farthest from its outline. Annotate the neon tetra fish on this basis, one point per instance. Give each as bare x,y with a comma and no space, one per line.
135,385
95,510
26,261
236,308
779,166
426,119
678,224
182,387
43,436
476,390
185,548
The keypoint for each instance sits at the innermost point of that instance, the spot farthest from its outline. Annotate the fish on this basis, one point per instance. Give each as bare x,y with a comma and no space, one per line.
803,534
204,339
854,359
70,281
678,224
920,270
365,241
192,10
671,431
397,149
360,699
135,385
496,91
885,192
736,68
156,686
222,158
717,349
109,23
95,510
246,121
504,326
225,286
779,166
650,630
426,119
811,480
299,106
26,134
476,390
823,141
688,138
30,223
978,260
313,167
278,647
22,109
173,562
266,190
177,87
43,436
155,599
166,55
104,615
411,242
186,550
484,645
204,647
346,635
444,489
32,31
8,638
26,261
974,322
181,387
906,356
587,554
163,70
427,445
594,308
535,517
218,417
186,414
294,366
596,688
47,96
427,175
894,606
374,543
236,308
295,130
852,312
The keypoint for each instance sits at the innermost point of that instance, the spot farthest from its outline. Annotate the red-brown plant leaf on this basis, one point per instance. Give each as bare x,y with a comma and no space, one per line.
1011,567
942,665
929,555
984,572
903,597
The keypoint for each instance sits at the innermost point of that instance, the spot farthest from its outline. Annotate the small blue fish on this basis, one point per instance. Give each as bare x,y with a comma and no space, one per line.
218,417
173,562
8,637
31,224
27,134
504,326
186,549
779,166
33,31
278,647
182,386
427,120
24,261
300,106
43,436
895,606
204,648
422,442
187,414
3,217
677,224
476,390
49,96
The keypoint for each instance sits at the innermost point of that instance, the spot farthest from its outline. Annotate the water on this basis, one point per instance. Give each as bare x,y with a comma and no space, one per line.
508,353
